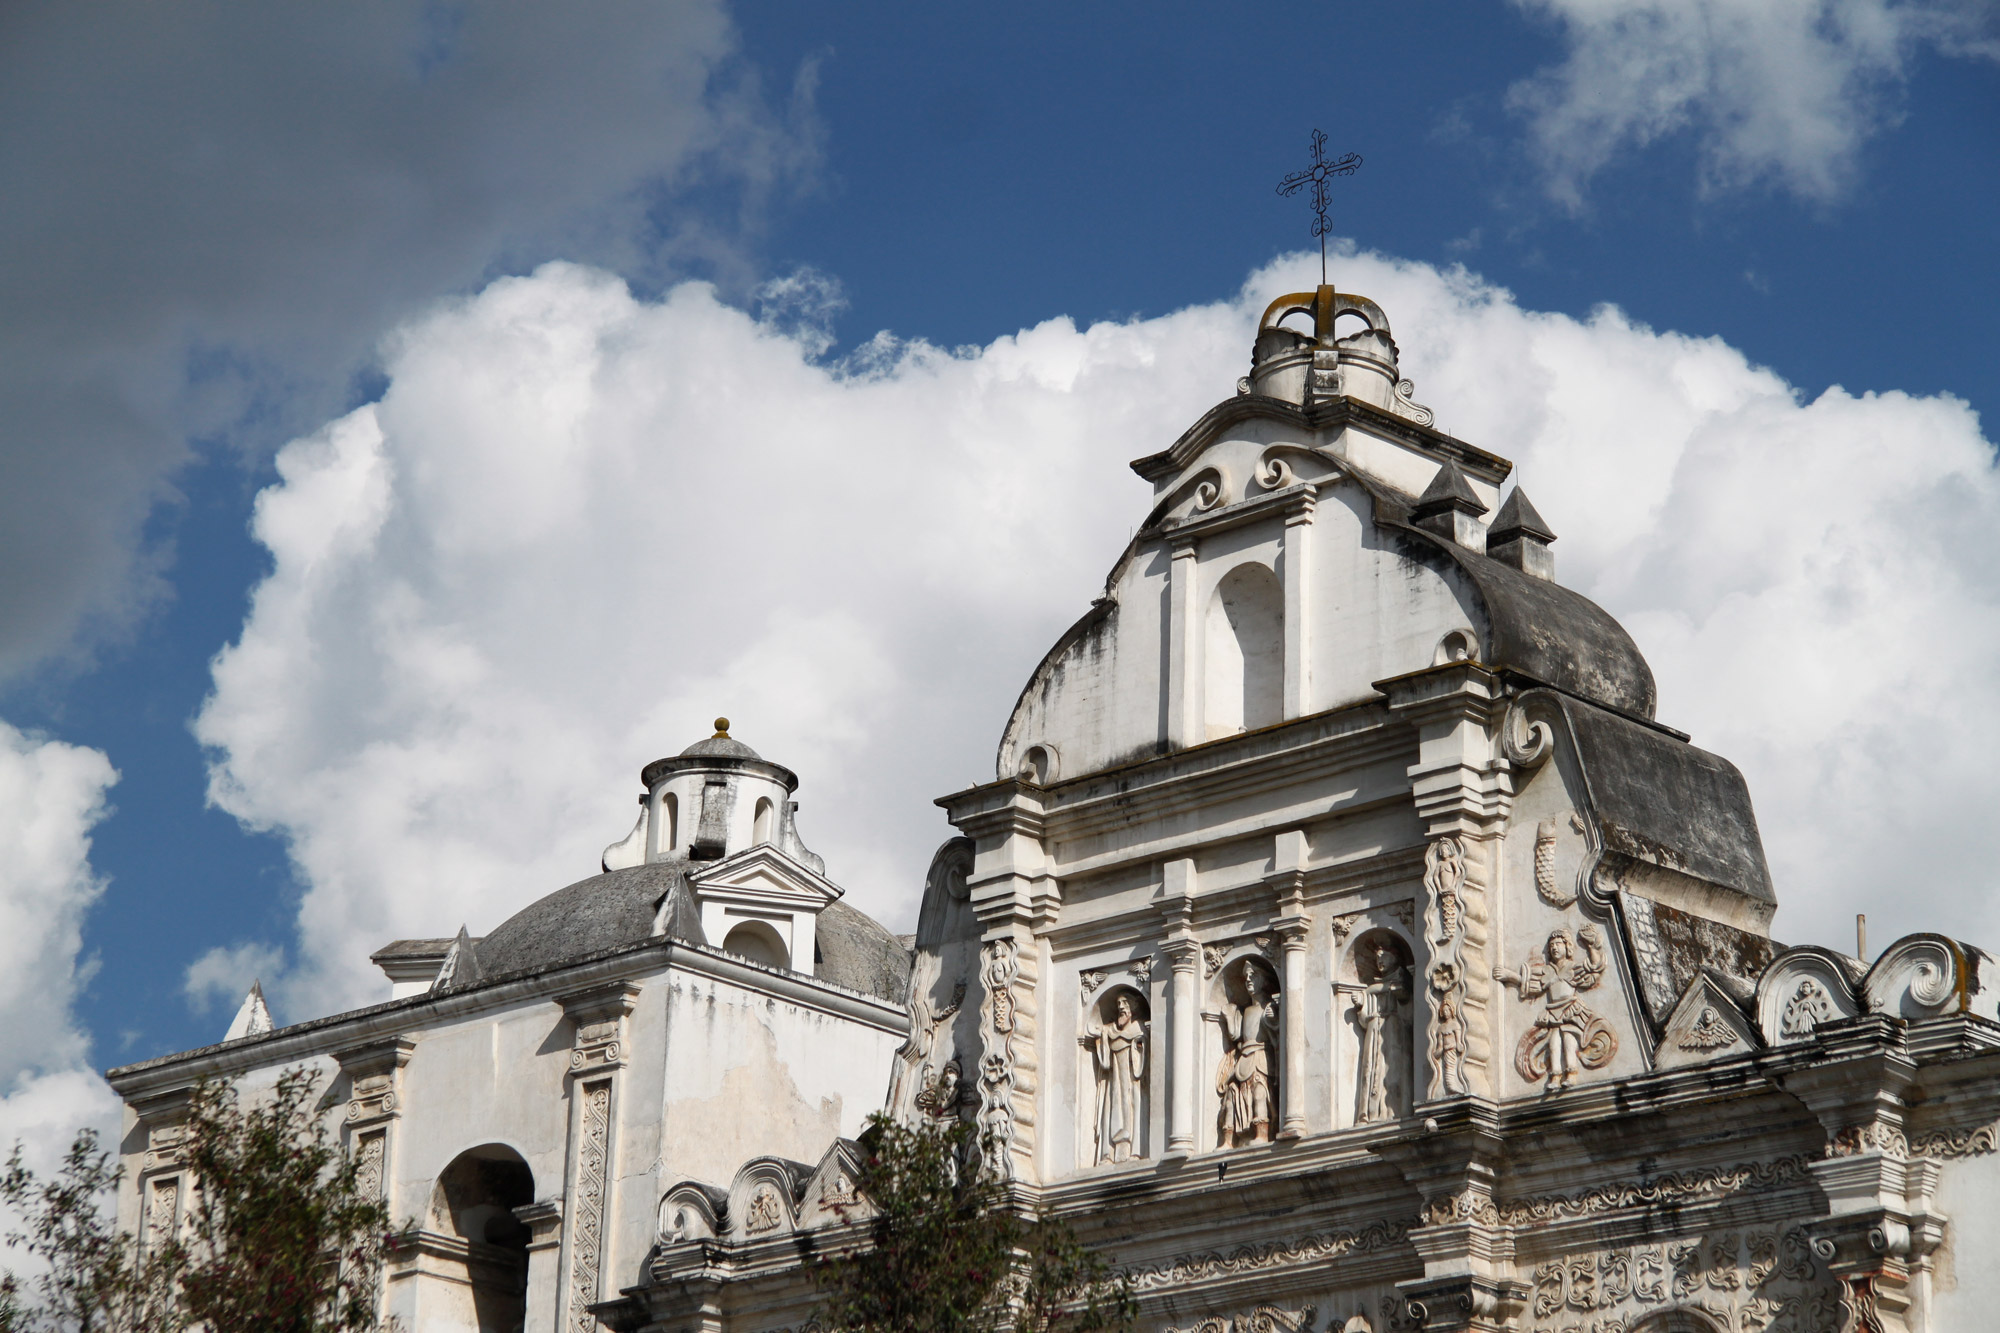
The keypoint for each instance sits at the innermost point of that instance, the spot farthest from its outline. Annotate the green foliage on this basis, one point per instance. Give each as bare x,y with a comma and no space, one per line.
948,1251
279,1237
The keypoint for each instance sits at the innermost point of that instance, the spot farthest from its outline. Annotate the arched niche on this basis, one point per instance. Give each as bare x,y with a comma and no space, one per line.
762,822
1118,1051
1376,992
759,942
1677,1321
1244,652
670,822
474,1200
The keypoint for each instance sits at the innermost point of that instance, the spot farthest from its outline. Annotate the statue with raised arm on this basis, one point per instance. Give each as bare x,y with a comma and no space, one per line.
1244,1077
1567,1038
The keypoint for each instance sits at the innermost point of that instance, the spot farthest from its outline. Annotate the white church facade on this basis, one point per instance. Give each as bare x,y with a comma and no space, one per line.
1343,944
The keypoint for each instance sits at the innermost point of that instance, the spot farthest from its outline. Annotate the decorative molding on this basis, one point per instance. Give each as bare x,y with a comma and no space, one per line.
593,1161
599,1016
1656,975
1444,924
1945,1144
1263,1319
1213,956
1674,1187
1757,1281
1309,1251
374,1080
369,1154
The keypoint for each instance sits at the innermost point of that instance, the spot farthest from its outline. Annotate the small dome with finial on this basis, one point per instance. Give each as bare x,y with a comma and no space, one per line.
721,743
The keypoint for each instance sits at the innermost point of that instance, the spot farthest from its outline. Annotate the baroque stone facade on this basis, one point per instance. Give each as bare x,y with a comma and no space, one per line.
1343,946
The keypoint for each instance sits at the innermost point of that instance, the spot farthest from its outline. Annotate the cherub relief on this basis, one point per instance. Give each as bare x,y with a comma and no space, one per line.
1567,1038
1244,1078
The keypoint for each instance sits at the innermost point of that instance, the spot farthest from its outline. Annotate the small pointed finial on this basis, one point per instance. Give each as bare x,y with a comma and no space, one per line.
721,729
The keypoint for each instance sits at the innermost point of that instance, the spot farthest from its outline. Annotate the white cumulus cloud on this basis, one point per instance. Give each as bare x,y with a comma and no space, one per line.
578,525
51,795
1780,91
224,974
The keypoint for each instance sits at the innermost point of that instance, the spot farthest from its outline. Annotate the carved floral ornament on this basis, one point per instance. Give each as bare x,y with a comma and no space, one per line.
1263,1319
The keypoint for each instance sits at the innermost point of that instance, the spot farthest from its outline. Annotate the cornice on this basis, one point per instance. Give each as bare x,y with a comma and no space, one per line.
326,1037
1331,415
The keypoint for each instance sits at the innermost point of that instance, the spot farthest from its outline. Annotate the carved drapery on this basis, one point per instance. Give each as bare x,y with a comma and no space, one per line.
1248,1082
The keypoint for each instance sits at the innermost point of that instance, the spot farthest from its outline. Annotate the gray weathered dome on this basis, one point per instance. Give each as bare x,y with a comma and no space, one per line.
619,907
727,746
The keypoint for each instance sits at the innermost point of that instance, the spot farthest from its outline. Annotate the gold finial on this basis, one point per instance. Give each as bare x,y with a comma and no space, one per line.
721,729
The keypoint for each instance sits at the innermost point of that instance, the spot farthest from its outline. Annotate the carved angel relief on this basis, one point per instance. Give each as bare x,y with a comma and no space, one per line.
1567,1038
1808,1007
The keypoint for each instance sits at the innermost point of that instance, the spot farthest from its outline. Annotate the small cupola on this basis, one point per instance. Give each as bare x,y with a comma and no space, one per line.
1312,368
1449,508
714,799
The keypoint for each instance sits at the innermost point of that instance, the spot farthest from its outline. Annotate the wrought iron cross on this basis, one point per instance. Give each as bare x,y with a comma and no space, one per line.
1317,176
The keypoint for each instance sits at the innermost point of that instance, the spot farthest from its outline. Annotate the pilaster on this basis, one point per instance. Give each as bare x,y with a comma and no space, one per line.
162,1185
1184,1007
544,1222
1014,897
597,1053
1462,787
1183,647
1453,1162
1297,559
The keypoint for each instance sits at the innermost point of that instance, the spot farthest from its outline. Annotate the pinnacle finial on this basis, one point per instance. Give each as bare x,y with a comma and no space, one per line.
721,729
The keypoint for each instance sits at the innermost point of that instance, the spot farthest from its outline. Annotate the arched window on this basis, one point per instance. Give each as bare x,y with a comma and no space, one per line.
1244,678
760,831
758,942
670,825
475,1199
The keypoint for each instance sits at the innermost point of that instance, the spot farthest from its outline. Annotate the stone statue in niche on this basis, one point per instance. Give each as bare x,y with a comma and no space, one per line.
946,1098
1567,1038
1117,1047
1379,1012
1245,1077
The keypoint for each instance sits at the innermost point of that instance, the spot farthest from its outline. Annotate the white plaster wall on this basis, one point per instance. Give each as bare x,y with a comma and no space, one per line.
1965,1289
747,1075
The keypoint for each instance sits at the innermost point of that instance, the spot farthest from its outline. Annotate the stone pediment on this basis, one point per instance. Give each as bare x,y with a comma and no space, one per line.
1706,1025
830,1197
765,873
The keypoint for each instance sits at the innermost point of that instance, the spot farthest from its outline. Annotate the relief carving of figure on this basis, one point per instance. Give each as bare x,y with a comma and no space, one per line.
1118,1053
1244,1077
1380,1000
1809,1006
1567,1038
946,1097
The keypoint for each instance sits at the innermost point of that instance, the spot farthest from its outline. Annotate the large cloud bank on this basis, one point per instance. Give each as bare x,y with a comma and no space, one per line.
1784,92
577,525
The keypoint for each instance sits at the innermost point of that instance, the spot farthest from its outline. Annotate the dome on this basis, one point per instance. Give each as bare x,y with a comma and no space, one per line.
721,744
618,908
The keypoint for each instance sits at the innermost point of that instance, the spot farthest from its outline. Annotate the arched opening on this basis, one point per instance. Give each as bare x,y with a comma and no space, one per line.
670,822
1244,683
1038,765
760,829
474,1200
1675,1321
758,942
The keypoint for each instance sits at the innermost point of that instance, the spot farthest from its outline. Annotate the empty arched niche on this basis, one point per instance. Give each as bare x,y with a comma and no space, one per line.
1244,685
670,820
474,1200
760,831
759,942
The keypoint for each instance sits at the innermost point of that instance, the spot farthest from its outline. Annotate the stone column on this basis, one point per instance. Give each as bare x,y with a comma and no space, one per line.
544,1222
597,1054
1184,1007
1184,725
1298,606
1292,923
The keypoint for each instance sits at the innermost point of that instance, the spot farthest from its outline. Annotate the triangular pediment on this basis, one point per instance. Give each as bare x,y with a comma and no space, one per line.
830,1197
1706,1025
767,874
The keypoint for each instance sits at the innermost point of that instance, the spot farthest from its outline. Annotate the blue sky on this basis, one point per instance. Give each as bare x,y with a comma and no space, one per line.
231,228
